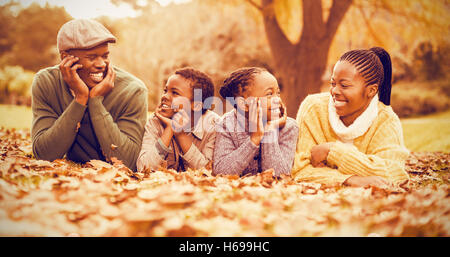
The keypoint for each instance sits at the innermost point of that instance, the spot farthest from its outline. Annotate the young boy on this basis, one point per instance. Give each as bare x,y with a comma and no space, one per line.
180,134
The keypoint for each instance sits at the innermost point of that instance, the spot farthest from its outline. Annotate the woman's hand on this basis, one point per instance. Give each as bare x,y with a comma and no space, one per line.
103,88
319,154
358,181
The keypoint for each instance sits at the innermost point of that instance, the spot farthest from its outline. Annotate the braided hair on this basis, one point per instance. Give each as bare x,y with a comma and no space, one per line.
239,81
375,67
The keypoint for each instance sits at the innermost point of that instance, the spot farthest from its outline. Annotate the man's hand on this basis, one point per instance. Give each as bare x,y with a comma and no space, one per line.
68,68
103,88
319,154
358,181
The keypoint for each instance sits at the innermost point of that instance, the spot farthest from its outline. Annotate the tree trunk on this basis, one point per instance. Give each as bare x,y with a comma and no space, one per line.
299,67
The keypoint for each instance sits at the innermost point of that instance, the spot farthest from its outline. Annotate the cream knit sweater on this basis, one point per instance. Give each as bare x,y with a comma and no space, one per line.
378,152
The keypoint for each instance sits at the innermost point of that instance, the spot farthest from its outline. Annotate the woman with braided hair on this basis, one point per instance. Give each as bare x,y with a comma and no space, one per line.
351,135
256,135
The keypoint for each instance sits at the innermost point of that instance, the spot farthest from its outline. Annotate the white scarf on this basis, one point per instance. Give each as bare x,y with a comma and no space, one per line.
358,127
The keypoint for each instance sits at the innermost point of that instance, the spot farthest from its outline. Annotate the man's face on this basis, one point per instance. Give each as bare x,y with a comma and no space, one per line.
95,63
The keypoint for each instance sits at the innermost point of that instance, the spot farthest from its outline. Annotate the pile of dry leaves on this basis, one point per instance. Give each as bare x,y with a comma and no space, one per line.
60,198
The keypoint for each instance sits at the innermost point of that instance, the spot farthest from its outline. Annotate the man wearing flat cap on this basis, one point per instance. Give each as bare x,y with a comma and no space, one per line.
84,108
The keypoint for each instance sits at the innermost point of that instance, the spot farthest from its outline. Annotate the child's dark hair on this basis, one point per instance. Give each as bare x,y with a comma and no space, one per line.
199,80
238,81
375,67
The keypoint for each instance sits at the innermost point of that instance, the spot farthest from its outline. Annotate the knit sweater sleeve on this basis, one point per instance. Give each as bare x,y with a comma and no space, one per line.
385,158
52,134
153,152
310,134
125,132
229,159
278,151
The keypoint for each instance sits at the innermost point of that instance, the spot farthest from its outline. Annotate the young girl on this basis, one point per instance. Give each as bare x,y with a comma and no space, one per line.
351,135
257,135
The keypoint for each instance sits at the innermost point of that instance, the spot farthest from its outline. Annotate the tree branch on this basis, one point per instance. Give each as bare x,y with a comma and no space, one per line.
337,13
254,5
312,17
278,41
369,27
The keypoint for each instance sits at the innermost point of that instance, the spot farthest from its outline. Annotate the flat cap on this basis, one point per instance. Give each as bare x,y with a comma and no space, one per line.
83,34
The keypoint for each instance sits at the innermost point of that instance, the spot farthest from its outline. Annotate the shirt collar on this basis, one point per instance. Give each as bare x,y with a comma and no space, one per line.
205,123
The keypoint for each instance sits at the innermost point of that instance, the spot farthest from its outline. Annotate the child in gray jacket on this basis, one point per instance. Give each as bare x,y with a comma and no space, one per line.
256,135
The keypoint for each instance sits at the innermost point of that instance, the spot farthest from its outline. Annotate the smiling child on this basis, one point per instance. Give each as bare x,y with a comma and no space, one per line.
180,134
256,135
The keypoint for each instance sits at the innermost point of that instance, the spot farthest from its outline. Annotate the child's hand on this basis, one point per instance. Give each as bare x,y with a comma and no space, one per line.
319,154
167,134
165,122
181,122
280,122
255,116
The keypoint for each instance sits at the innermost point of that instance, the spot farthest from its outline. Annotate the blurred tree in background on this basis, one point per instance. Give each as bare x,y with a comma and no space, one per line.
213,36
427,61
27,44
297,40
301,33
15,85
6,39
301,64
30,37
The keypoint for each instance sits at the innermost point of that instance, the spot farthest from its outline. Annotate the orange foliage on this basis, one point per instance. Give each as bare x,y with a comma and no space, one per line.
60,198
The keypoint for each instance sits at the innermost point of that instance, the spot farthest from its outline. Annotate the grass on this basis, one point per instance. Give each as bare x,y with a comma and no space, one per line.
13,116
430,133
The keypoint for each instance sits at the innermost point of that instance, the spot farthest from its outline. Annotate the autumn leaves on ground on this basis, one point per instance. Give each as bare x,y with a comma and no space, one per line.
60,198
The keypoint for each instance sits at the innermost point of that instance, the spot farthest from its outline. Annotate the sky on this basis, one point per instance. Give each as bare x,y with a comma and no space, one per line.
91,8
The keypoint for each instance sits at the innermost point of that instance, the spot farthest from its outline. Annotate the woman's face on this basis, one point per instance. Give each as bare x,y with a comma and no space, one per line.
351,95
264,87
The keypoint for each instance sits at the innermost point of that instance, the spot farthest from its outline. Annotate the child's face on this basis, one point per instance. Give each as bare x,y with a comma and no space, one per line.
265,87
177,95
351,95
